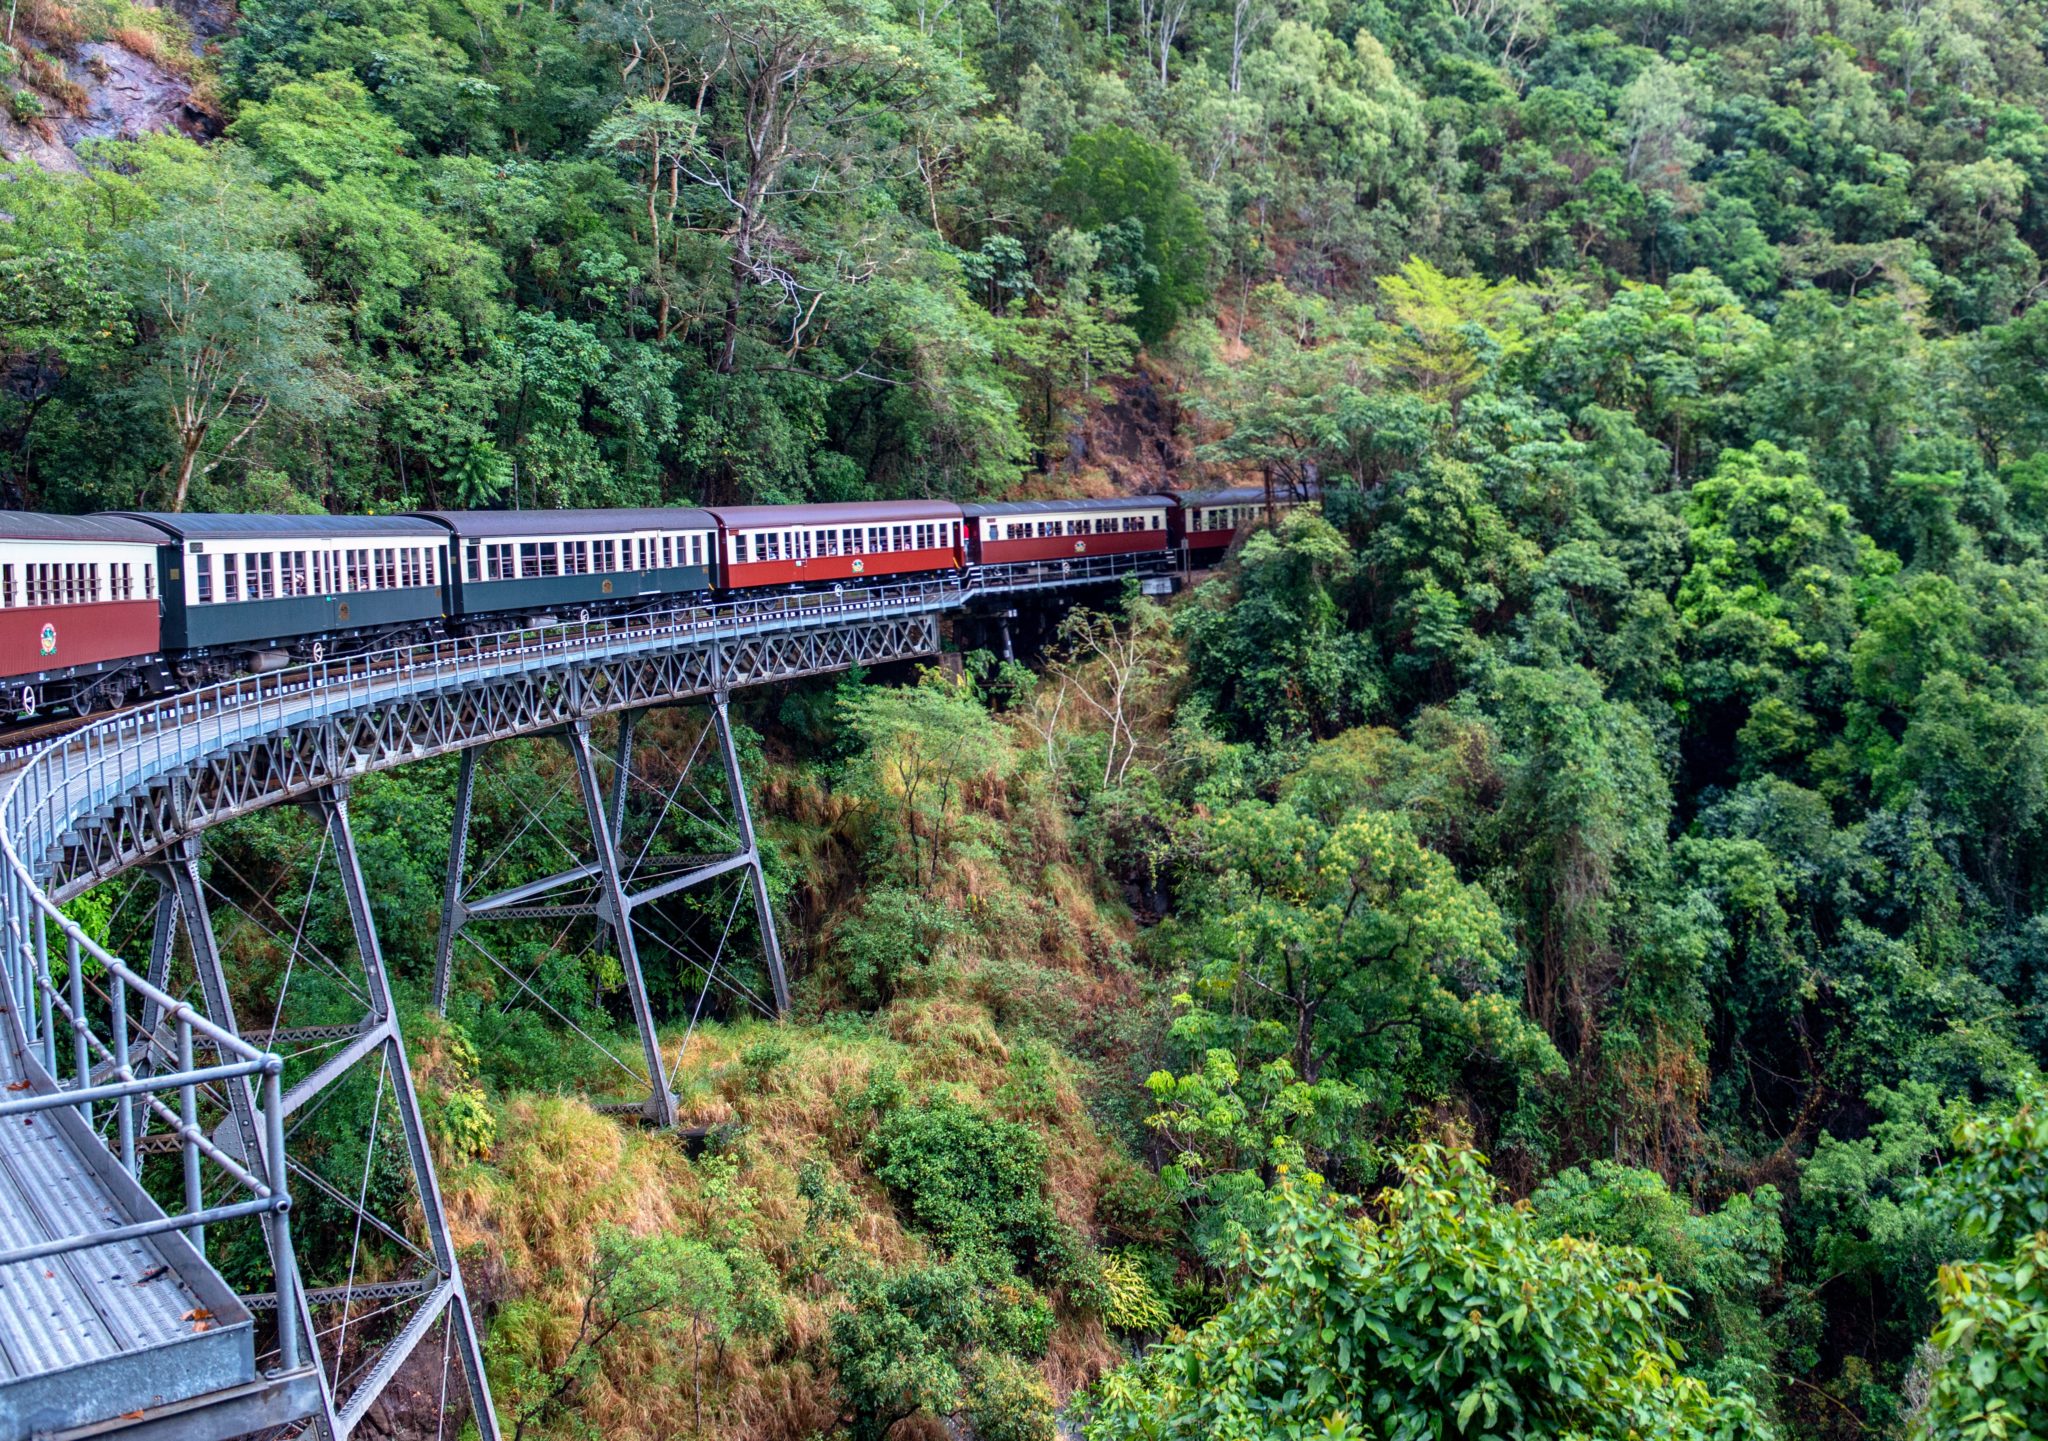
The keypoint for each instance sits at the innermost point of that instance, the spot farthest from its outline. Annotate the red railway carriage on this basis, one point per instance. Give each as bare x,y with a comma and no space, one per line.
1208,521
78,611
1021,531
858,542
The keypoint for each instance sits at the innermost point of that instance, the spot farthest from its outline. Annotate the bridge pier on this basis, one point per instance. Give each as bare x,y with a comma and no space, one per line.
617,883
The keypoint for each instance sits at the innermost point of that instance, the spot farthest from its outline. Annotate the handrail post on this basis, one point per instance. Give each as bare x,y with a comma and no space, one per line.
188,1127
81,1048
44,992
124,1109
280,1216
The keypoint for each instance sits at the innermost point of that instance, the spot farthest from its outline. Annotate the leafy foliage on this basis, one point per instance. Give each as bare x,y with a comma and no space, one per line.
1447,1316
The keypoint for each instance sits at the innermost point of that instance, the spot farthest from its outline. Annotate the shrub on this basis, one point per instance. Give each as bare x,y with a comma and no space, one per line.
1008,1401
973,1182
26,105
890,945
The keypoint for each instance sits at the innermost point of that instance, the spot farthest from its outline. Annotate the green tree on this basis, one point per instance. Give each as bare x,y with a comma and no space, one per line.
1443,1314
1116,177
1273,653
1990,1379
230,328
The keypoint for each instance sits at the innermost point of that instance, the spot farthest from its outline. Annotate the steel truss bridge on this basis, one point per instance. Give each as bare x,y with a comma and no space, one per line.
151,1139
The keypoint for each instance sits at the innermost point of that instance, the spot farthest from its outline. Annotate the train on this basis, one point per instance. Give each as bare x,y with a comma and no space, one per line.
97,611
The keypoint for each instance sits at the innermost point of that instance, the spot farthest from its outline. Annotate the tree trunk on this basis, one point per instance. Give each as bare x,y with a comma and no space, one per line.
186,463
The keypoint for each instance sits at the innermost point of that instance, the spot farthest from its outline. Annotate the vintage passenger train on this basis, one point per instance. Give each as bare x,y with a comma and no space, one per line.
98,610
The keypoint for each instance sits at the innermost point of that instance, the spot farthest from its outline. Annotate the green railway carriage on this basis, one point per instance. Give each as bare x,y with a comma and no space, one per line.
570,563
257,591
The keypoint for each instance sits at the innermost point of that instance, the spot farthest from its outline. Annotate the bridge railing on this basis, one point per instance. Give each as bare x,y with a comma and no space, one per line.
138,1084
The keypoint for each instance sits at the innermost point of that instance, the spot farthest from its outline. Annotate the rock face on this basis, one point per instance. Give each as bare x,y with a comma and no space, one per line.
126,96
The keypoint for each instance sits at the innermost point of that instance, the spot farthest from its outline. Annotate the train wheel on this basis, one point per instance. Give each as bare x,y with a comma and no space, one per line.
28,700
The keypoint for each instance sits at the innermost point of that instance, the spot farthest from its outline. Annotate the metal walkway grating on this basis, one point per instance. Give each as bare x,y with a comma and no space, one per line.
96,1333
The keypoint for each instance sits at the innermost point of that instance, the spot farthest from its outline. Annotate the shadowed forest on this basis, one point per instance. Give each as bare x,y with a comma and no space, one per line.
1550,941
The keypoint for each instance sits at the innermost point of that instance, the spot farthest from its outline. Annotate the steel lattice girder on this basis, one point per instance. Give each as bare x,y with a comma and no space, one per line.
302,758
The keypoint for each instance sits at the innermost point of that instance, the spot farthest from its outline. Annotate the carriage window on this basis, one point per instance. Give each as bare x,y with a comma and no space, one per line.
924,537
148,582
696,550
476,561
774,541
230,579
6,586
828,542
608,554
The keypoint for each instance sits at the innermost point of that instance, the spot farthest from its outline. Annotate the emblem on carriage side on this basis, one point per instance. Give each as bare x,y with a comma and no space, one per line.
49,638
1080,546
859,566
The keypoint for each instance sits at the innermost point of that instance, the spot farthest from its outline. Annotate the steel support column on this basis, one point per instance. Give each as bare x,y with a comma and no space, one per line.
617,912
751,851
331,806
452,913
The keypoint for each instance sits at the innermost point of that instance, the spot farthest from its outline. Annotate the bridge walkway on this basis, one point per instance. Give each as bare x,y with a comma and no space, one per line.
94,1333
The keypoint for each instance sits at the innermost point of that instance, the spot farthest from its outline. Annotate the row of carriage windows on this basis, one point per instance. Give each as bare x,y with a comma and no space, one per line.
525,560
268,575
1099,525
82,582
1229,517
769,545
272,575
